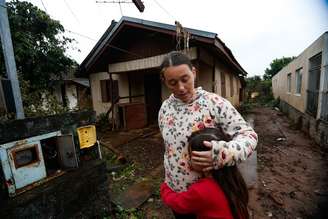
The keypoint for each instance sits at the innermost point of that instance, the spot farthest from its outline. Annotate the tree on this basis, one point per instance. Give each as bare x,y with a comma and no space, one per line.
39,45
253,82
261,87
275,66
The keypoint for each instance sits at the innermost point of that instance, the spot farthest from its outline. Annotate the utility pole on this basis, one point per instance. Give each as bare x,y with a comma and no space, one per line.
9,59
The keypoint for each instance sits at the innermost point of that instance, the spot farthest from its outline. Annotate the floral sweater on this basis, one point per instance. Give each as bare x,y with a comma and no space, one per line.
177,120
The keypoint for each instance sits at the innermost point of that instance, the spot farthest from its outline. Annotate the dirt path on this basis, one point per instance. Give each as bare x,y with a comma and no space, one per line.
292,171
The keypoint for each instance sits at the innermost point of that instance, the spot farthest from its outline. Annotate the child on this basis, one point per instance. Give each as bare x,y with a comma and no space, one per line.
221,193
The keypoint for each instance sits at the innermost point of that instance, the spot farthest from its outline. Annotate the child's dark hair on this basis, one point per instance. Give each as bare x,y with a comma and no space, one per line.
174,58
229,178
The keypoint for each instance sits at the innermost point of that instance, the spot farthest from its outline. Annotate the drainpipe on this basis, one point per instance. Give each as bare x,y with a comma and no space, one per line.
9,58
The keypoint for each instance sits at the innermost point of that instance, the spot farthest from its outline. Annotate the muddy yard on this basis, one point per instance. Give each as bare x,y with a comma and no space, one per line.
292,179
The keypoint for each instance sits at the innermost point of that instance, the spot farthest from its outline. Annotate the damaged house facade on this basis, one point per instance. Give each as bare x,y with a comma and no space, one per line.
123,68
302,87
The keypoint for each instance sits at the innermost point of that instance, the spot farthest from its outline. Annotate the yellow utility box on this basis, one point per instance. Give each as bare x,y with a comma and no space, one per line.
87,136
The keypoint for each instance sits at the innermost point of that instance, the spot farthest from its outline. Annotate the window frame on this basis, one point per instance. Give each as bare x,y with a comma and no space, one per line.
298,81
289,83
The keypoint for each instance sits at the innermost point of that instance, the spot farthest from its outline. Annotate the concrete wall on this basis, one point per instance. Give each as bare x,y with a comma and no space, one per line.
279,81
71,94
123,86
97,103
317,129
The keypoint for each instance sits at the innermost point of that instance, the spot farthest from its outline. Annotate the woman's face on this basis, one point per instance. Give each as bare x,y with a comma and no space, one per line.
181,81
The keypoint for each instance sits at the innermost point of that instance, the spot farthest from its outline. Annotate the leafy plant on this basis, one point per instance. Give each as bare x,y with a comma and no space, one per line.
127,172
40,102
102,121
129,213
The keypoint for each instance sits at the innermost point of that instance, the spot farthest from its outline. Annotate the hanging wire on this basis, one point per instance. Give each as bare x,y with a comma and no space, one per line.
125,51
159,5
119,3
79,34
44,7
70,9
181,33
109,45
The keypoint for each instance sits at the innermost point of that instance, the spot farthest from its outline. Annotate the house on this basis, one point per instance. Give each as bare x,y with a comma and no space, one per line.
123,68
73,92
70,92
302,87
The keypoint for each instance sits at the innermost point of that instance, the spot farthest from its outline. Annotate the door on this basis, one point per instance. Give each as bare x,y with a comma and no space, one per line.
67,152
27,164
153,98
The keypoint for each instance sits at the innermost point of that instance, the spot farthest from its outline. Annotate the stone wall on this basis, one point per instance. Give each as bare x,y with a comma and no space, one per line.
317,129
20,129
82,193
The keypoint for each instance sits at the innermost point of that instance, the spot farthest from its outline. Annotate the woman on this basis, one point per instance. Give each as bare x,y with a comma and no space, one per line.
221,193
189,109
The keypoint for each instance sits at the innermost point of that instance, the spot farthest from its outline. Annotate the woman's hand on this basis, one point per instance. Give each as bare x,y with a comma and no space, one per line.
202,160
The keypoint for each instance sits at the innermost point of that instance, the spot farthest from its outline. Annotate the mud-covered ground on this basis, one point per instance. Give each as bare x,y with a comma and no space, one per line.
292,171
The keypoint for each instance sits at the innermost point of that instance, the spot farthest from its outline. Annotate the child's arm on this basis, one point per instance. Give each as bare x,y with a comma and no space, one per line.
180,202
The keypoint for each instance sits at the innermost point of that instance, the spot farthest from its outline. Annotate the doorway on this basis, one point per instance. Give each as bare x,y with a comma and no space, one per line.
153,97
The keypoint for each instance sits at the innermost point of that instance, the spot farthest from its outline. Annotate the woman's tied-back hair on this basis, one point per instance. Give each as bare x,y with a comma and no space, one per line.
174,58
228,177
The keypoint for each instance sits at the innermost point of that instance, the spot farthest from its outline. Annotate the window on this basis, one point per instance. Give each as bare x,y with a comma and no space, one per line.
289,80
105,86
298,80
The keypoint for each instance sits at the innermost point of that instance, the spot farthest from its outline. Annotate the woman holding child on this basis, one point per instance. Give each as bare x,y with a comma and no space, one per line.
189,110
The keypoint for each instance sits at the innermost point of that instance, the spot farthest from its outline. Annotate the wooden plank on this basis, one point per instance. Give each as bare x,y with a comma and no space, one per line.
146,63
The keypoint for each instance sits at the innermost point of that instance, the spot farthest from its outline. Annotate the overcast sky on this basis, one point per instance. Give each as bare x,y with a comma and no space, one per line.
257,31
